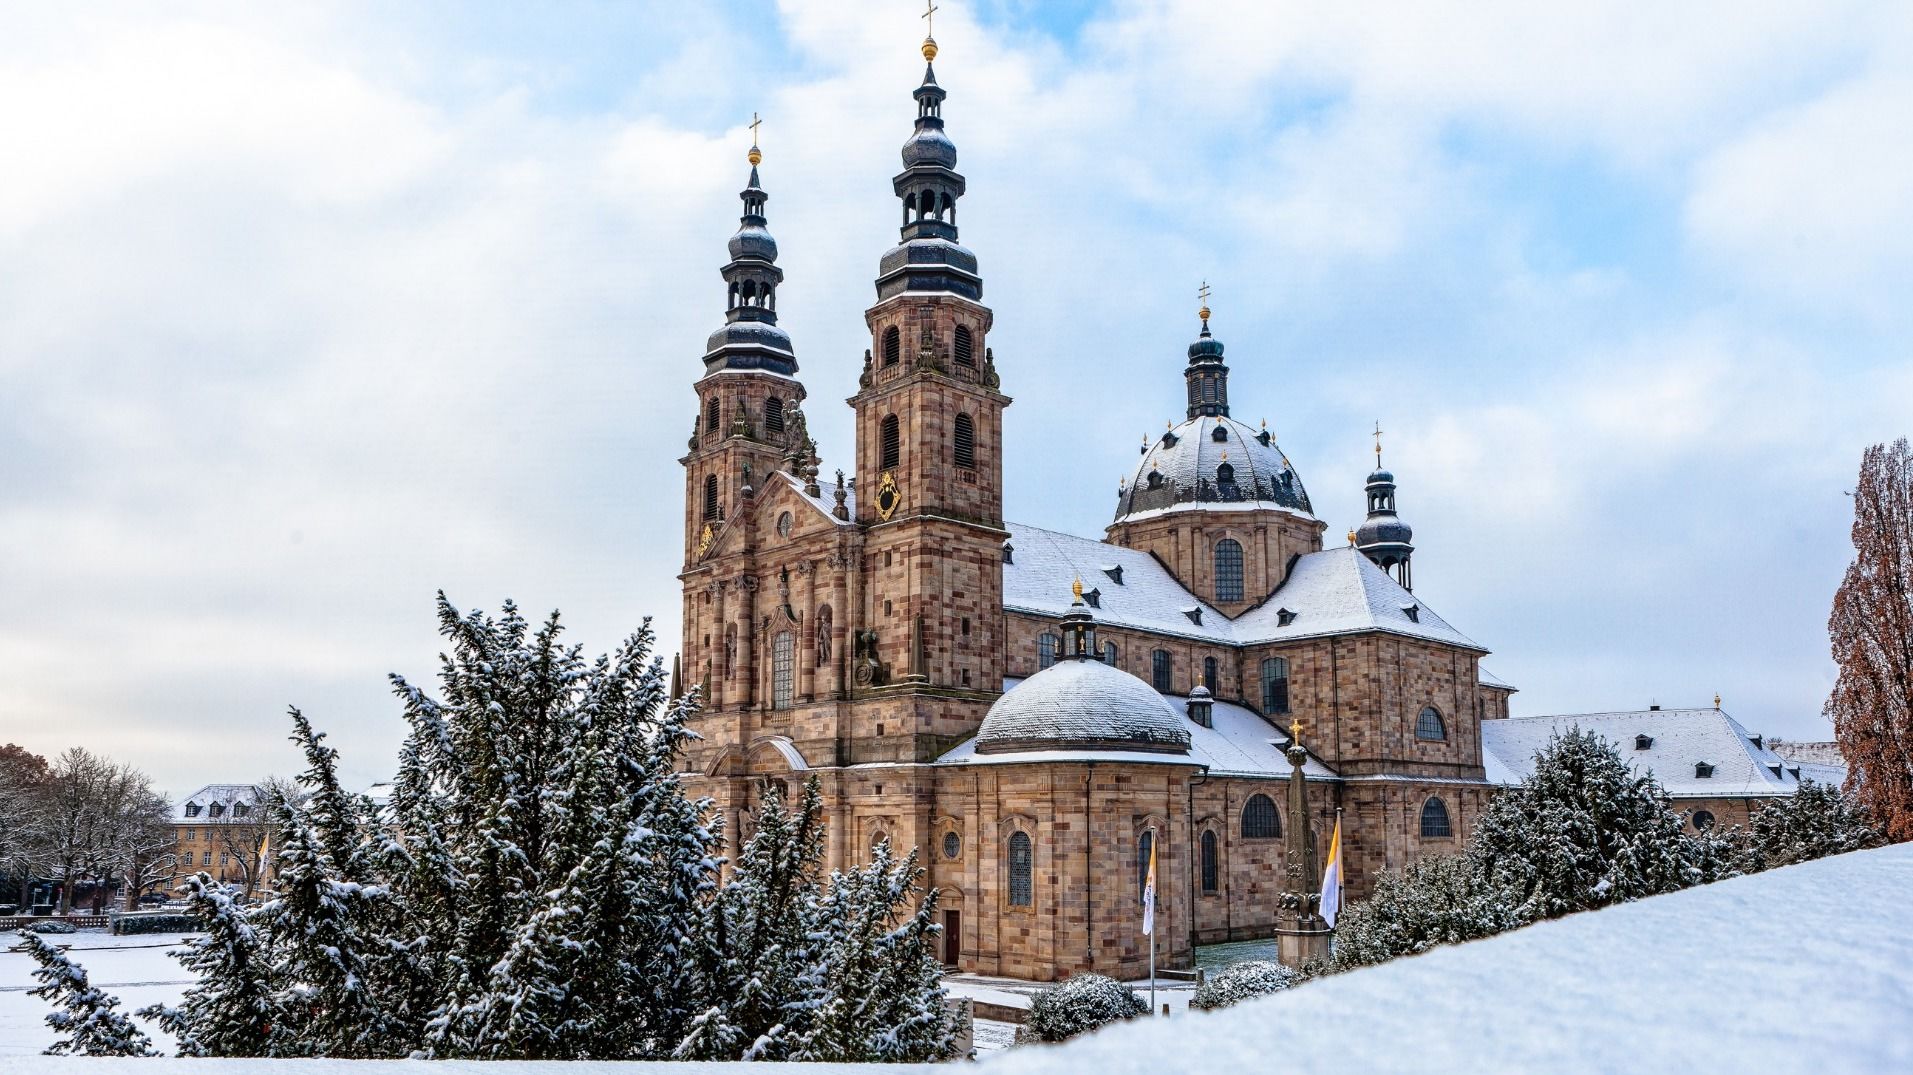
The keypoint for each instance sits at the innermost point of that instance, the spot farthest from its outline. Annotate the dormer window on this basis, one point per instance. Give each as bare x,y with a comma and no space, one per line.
240,810
1194,614
1284,617
1643,742
1154,479
1758,740
1169,439
192,809
1009,553
1413,612
1263,437
1115,573
1220,435
1775,770
1703,771
1793,771
1094,598
215,810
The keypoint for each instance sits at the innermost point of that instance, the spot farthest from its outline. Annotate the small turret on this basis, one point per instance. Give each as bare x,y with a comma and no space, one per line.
1208,378
1383,537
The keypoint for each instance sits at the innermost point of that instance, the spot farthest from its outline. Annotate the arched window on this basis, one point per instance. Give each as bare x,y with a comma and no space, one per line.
892,346
1020,886
773,415
1109,654
909,207
710,415
1161,670
965,347
1259,819
1144,845
1210,872
783,661
750,293
1429,726
710,496
1045,651
1228,570
892,444
1434,819
965,442
1275,685
1209,673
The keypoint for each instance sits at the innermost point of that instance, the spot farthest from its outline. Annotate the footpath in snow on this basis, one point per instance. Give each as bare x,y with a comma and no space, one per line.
1802,969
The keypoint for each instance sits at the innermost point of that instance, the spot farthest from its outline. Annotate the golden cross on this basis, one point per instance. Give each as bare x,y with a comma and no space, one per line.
755,123
1295,730
1202,294
1378,446
929,20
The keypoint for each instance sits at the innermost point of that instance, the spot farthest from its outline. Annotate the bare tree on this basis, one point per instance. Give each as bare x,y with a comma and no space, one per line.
1872,633
143,838
23,786
73,825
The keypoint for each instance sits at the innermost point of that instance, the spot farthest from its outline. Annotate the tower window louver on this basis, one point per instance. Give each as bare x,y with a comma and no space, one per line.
710,415
965,442
892,346
965,347
773,415
892,441
710,496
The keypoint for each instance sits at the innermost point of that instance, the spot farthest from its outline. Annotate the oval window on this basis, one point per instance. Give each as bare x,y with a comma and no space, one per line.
952,845
784,524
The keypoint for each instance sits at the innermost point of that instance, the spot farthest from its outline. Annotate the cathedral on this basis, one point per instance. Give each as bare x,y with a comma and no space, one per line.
1036,712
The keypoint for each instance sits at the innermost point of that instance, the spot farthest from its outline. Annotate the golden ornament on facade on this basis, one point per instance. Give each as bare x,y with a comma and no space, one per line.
888,496
705,537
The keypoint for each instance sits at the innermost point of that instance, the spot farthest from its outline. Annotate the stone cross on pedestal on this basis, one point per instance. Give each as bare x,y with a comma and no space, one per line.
1301,935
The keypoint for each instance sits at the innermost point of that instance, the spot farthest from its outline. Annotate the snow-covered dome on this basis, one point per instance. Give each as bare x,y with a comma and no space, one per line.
753,241
929,146
1082,704
1210,460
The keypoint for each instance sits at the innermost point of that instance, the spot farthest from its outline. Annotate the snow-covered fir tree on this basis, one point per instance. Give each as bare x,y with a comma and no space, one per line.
88,1020
1583,831
1817,820
229,1010
1436,901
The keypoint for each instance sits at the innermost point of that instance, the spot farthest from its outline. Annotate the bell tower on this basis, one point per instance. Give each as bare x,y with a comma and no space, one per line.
929,423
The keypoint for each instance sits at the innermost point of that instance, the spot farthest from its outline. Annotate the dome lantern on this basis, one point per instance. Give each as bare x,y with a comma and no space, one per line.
1383,537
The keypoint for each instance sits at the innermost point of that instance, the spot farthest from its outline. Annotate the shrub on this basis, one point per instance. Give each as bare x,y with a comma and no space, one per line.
53,925
1242,981
1436,901
1080,1005
158,922
1817,820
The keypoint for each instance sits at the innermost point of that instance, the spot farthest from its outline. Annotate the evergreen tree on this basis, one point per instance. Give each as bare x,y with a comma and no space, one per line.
882,997
1817,820
229,1010
89,1019
1436,901
1583,831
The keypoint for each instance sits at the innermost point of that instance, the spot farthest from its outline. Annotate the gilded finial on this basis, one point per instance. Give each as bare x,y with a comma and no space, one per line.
755,156
1202,297
1716,699
1295,730
929,27
1225,455
1351,537
1378,446
1076,590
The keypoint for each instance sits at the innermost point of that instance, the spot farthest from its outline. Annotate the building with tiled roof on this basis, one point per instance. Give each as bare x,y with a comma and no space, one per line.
1037,712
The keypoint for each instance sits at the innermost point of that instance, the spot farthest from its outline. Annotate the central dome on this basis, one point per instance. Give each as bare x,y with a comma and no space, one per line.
1212,460
1082,704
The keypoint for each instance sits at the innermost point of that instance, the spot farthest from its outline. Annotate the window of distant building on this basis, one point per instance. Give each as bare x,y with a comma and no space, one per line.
240,809
1275,685
215,810
1046,651
206,859
1228,570
1429,726
1210,870
1020,869
1209,673
1434,819
1259,819
192,809
1161,670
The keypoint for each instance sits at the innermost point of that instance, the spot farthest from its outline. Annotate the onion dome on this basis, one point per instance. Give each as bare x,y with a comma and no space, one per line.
1383,537
750,338
928,257
1080,703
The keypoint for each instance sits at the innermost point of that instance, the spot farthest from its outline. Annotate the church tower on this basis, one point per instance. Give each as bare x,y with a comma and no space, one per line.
749,411
1383,537
929,422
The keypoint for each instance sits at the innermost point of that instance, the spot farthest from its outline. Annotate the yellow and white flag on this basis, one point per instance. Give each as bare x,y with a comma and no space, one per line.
1149,894
1332,876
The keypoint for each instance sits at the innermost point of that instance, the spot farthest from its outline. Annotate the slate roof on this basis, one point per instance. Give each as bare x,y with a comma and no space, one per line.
1264,477
1335,591
1681,739
226,795
1489,679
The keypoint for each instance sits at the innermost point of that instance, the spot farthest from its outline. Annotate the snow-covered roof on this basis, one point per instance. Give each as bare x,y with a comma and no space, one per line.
1801,969
1680,740
1489,679
226,796
1241,743
826,501
1335,591
1185,463
1083,704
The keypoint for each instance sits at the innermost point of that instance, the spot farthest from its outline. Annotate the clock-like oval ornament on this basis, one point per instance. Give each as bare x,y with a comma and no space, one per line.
888,496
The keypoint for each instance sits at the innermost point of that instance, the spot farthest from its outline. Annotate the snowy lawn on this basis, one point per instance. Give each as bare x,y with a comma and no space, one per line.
135,969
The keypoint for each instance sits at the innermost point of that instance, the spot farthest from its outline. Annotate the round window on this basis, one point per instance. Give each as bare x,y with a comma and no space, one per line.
784,522
1703,820
952,845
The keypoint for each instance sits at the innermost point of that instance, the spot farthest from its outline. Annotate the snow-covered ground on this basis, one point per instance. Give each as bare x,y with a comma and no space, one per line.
1808,968
135,969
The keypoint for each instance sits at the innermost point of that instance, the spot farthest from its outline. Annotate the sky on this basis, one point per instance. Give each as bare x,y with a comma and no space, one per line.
309,311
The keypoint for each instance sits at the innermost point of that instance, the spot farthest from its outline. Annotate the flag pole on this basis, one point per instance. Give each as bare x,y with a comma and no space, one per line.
1149,918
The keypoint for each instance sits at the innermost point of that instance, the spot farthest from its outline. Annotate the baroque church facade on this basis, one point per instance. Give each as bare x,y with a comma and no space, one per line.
1035,711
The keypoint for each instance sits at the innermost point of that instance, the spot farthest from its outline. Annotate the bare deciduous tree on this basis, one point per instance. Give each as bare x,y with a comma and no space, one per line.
1872,633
